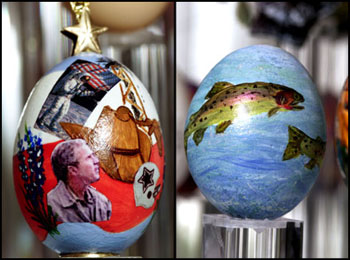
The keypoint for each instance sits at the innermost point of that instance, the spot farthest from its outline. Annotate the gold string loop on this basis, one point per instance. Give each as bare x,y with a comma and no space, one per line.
79,7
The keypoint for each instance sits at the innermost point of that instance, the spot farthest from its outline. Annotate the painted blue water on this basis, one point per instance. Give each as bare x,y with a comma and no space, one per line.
86,237
241,171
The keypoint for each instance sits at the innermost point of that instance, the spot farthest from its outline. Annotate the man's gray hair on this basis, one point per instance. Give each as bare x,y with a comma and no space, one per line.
64,155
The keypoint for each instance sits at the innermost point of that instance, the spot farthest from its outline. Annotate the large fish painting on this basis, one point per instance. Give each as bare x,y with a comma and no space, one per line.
225,102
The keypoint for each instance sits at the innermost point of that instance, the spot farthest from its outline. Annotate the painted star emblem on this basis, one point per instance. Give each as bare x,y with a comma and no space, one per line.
84,35
146,179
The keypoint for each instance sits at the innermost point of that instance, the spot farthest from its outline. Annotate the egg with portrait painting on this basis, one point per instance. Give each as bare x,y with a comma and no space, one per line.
88,161
255,133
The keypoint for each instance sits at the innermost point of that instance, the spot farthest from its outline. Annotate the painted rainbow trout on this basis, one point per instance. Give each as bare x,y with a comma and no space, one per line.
226,102
301,144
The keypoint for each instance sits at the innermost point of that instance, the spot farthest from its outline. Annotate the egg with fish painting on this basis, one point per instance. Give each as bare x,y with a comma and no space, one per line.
255,133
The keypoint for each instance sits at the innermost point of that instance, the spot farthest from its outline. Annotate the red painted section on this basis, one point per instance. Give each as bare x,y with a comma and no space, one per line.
125,215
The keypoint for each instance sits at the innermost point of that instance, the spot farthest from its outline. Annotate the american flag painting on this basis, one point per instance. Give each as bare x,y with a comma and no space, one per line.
74,96
100,78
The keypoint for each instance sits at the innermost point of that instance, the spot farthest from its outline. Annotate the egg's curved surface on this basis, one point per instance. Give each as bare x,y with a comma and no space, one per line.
89,157
255,133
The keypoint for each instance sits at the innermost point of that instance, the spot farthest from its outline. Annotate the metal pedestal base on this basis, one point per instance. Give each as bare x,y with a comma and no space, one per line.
227,237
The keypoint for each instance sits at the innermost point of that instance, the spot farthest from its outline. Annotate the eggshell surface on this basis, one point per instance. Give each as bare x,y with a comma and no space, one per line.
255,133
88,127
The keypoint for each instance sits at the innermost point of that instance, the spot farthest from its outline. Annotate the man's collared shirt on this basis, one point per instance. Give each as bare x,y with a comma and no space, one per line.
94,207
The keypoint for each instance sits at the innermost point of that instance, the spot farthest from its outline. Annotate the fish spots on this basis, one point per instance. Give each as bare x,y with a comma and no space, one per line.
231,107
305,141
255,86
205,118
264,95
225,104
251,98
200,119
227,92
211,107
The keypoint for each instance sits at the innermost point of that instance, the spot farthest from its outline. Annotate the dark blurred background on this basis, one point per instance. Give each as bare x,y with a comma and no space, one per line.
316,33
141,36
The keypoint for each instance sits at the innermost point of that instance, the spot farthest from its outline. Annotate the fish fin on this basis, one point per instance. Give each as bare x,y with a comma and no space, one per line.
198,135
218,86
318,139
295,136
220,128
311,164
273,111
297,108
319,162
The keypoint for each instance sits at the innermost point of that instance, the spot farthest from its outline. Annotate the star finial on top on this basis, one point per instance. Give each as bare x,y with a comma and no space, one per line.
84,35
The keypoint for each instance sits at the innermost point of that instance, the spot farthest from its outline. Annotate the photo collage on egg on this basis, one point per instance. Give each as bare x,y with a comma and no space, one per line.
75,95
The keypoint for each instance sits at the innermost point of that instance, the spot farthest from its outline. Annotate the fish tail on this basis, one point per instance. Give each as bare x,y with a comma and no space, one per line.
187,131
295,137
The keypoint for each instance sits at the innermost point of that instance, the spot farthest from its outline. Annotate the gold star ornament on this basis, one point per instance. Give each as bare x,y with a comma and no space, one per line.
84,35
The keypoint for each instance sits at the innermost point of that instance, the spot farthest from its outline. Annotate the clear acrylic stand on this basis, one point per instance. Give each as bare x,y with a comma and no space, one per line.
227,237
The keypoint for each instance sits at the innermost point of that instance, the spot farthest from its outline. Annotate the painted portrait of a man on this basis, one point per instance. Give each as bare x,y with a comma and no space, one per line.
73,199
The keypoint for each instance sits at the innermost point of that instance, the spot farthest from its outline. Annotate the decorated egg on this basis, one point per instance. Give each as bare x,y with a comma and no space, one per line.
342,131
255,133
89,157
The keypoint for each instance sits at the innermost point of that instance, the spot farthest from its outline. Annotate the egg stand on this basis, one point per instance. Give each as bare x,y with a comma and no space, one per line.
227,237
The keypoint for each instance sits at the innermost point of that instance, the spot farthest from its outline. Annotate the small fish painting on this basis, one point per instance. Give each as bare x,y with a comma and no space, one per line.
225,102
301,144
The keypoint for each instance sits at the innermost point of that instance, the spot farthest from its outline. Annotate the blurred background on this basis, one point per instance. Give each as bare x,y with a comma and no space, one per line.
317,35
141,36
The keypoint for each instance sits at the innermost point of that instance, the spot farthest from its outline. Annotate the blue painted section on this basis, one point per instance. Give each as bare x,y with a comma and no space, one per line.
87,237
